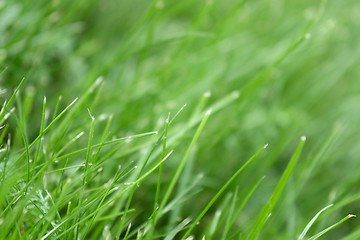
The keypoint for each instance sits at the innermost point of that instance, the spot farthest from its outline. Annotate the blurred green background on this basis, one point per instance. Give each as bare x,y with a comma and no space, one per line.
155,56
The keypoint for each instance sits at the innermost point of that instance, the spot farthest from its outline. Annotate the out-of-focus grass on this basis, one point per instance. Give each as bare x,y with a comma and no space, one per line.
271,71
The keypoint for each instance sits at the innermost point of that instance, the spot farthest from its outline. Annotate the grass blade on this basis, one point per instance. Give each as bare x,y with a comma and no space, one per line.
89,148
178,228
127,232
107,143
246,199
87,161
221,191
331,227
27,159
7,105
102,200
215,223
85,218
162,155
183,161
41,130
264,214
47,128
308,226
231,210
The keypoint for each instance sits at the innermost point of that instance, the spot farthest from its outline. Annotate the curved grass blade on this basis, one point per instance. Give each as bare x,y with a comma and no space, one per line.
182,163
7,105
41,130
99,145
252,86
85,218
127,232
220,192
86,168
266,211
162,155
246,199
308,226
46,129
25,152
102,200
331,227
230,214
178,228
70,116
27,159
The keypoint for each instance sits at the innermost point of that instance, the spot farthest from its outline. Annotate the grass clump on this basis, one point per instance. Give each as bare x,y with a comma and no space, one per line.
127,122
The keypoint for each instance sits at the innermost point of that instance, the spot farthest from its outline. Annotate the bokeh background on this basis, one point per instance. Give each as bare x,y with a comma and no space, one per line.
295,65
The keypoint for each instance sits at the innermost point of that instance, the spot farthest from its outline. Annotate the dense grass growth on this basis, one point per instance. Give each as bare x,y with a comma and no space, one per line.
179,119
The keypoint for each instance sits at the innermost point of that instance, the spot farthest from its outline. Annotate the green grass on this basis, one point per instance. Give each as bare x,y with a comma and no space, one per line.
144,119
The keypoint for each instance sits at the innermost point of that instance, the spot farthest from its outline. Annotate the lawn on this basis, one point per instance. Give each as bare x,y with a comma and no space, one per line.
184,119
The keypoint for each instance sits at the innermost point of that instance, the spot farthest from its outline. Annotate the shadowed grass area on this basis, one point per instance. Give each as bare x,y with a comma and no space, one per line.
136,119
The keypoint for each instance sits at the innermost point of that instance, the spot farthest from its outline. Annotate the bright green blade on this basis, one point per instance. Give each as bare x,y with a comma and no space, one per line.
266,211
331,227
193,225
308,226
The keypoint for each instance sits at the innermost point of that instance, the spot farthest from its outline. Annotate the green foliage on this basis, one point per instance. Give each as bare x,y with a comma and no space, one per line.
151,162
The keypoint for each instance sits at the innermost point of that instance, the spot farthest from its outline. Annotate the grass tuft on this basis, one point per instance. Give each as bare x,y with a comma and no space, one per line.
123,146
